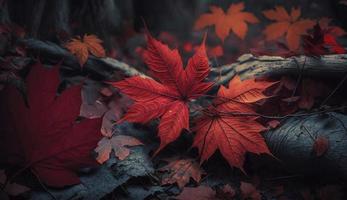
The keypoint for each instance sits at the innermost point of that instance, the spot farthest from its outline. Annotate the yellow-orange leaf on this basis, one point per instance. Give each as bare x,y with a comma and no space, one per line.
287,24
81,48
94,45
234,19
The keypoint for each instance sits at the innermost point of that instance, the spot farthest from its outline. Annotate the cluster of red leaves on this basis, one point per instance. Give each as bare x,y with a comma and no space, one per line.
320,42
40,136
81,47
290,96
221,127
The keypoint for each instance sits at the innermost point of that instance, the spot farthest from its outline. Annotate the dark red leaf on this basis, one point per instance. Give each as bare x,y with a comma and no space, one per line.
45,136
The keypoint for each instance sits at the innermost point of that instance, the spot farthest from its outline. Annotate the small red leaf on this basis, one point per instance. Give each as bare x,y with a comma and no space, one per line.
321,145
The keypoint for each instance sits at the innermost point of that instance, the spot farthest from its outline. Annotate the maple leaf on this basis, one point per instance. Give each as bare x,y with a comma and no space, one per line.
45,136
234,19
180,172
201,192
81,47
168,98
232,134
118,144
320,145
11,189
289,25
248,191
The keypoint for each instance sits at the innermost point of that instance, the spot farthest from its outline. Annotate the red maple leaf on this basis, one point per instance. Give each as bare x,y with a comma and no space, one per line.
168,98
229,126
320,145
44,135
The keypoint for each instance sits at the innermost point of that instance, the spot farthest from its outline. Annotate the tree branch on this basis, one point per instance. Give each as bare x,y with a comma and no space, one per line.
248,66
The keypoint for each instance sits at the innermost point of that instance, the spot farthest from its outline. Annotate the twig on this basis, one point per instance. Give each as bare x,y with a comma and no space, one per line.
281,117
334,91
43,185
301,71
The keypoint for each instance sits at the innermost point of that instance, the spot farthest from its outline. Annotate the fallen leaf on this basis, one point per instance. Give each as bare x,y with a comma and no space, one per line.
324,23
277,191
81,47
180,172
320,145
201,192
12,189
343,2
289,25
235,19
226,192
248,191
274,123
309,91
117,143
91,111
45,135
167,99
224,127
330,192
215,52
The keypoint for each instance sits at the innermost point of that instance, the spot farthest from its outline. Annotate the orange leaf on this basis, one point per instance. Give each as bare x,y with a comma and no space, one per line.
180,172
116,143
94,45
289,25
234,19
81,48
224,126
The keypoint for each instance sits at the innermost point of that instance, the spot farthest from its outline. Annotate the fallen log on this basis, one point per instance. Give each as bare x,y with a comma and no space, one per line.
248,66
293,143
